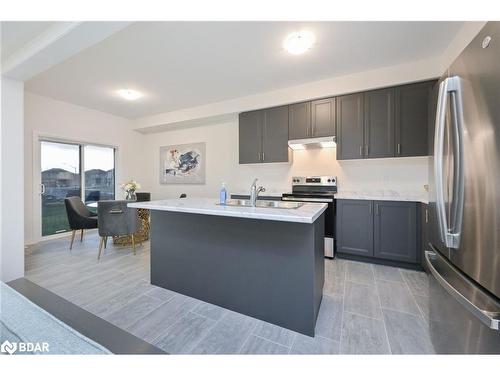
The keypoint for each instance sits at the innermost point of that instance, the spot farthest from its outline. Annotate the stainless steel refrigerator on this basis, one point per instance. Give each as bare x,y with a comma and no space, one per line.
463,254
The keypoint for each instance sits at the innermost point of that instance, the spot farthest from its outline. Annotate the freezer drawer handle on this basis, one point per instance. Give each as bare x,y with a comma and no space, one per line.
491,319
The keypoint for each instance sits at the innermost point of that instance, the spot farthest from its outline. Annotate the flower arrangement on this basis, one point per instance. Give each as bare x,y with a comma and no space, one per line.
130,187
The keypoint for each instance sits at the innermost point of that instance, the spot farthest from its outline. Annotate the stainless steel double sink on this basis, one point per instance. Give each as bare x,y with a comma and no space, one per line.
262,204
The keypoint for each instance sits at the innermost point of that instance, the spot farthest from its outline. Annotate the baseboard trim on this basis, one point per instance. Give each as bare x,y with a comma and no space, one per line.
384,262
31,242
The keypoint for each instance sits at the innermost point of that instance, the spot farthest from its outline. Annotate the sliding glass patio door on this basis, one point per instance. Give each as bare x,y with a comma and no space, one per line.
61,177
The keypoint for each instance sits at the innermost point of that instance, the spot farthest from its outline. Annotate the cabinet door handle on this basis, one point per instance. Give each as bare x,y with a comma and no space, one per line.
361,150
259,156
366,150
376,209
399,148
263,157
370,208
426,215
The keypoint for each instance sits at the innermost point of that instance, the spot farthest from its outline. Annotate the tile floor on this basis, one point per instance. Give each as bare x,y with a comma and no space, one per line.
366,309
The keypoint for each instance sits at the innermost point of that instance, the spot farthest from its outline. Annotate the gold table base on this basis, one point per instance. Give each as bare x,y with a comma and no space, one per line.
141,235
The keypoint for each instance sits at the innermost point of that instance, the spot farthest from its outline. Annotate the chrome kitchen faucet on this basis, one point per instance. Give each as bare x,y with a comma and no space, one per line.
254,192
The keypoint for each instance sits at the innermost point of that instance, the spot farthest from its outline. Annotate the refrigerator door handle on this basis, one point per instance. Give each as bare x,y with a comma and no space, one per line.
453,233
489,318
449,236
438,158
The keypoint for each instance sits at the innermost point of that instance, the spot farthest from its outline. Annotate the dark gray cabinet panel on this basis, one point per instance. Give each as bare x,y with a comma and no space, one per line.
395,230
300,120
379,123
250,136
350,144
355,227
323,117
424,233
412,116
275,135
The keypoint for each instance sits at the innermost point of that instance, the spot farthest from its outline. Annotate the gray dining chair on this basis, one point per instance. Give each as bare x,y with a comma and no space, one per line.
116,219
79,217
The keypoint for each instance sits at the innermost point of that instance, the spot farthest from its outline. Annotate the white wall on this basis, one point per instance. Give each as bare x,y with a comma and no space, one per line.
11,209
49,117
401,175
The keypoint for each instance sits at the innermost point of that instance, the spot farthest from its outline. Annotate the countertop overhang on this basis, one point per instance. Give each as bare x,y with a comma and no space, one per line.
308,213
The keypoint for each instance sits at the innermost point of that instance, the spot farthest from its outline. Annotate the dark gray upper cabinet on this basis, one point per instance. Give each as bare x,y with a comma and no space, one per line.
391,122
250,136
299,124
350,124
412,117
323,117
395,230
263,136
275,135
379,123
355,227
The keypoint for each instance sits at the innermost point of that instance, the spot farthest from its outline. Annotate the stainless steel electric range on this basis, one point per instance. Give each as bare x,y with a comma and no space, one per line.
316,189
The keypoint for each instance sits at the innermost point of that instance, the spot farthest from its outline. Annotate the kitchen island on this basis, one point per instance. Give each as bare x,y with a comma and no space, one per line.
263,262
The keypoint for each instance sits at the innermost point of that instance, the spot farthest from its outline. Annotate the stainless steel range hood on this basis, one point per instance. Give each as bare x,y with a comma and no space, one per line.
310,143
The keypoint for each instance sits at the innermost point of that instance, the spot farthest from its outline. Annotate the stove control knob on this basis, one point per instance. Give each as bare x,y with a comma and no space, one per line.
329,180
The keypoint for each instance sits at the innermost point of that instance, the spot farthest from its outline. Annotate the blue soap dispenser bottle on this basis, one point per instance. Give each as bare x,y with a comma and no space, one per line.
223,194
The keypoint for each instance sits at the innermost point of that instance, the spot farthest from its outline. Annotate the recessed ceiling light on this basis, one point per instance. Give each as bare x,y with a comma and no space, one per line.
130,94
299,42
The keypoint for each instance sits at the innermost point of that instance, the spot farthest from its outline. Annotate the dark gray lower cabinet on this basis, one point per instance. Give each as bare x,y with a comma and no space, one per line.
355,227
395,231
424,235
383,230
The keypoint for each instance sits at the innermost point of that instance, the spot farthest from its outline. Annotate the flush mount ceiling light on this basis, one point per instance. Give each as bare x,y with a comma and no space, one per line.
129,94
299,42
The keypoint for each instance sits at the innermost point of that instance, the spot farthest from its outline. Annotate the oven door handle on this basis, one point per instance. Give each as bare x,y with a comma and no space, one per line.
313,200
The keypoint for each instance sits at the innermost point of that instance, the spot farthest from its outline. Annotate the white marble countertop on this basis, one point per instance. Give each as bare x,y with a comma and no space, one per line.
385,195
308,213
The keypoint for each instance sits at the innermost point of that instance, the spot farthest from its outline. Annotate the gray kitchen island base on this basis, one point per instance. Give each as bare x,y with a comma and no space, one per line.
270,270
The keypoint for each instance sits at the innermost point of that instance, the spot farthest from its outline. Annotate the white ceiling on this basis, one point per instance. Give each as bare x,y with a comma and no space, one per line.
184,64
16,34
